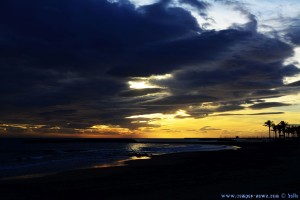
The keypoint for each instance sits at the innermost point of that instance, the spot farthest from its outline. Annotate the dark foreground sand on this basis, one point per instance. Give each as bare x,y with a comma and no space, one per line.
254,169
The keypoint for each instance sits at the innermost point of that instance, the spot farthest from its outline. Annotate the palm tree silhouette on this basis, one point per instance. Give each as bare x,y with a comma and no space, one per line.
275,129
289,131
269,124
283,125
293,131
283,129
279,128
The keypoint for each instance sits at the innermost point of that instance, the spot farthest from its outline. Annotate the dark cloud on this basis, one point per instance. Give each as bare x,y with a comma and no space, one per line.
67,63
237,76
182,100
54,56
55,113
68,35
225,108
294,84
268,105
166,57
140,92
264,113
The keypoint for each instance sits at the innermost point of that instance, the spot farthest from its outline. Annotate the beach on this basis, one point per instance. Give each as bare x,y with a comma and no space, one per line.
254,169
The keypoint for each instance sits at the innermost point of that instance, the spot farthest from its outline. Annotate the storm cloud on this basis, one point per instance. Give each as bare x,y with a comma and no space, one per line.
67,63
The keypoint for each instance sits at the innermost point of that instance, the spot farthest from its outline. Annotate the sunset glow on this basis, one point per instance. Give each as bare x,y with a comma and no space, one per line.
157,69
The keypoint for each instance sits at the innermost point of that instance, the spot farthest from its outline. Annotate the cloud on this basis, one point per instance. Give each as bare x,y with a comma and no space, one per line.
204,129
140,92
294,84
293,31
67,63
234,114
200,5
268,105
181,100
172,55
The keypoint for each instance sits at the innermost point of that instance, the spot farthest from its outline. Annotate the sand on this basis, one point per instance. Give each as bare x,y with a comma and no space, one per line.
257,168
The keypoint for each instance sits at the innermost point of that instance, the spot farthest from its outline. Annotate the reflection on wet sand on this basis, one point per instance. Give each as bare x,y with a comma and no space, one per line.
120,163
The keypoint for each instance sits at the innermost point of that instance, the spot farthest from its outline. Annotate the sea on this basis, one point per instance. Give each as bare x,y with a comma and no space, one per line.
25,158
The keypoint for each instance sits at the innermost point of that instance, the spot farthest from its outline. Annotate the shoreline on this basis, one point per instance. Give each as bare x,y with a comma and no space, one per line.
120,162
255,168
41,169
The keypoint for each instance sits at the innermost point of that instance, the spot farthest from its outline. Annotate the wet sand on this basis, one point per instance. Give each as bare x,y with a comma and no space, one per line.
258,168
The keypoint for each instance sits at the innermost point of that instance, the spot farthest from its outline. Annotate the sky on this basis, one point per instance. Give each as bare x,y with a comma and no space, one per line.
148,68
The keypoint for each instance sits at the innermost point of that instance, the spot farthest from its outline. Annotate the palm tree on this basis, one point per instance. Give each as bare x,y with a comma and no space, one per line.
279,128
288,131
293,131
275,129
283,125
269,124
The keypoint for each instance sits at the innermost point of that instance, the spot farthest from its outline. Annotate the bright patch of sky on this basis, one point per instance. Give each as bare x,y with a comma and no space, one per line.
139,85
217,16
139,3
273,16
178,113
295,60
147,82
293,99
104,129
220,16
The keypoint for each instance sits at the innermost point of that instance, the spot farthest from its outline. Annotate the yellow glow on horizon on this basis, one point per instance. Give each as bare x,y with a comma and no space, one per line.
108,129
55,128
243,123
181,113
22,126
149,116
